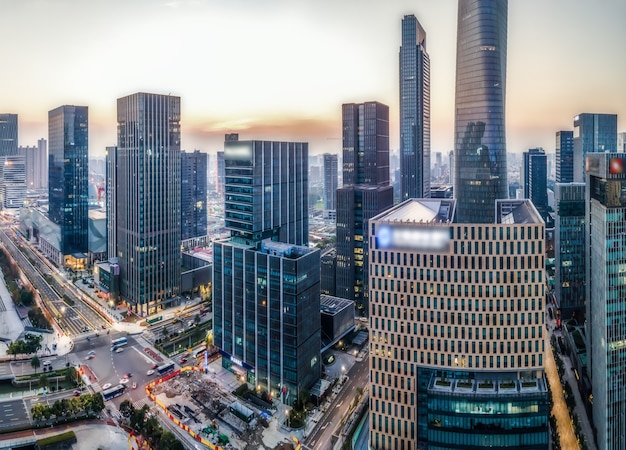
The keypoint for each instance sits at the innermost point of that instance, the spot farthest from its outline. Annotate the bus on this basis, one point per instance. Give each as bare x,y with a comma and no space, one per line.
200,352
113,392
165,368
118,343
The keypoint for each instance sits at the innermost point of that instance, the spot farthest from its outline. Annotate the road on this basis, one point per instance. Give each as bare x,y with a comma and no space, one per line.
320,438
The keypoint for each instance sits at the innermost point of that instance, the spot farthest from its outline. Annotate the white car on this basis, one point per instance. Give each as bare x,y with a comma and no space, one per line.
124,380
150,372
119,350
106,386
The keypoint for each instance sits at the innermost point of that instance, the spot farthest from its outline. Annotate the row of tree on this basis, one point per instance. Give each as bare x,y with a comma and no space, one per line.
85,406
30,344
147,425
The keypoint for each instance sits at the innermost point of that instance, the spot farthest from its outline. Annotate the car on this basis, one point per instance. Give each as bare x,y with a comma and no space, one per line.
183,360
154,366
106,386
124,381
104,327
85,329
134,385
90,357
92,352
76,393
150,372
119,350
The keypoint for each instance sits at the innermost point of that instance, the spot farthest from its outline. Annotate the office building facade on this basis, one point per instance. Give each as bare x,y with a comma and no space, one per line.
457,329
621,142
606,291
536,179
331,178
8,135
146,198
570,250
365,193
36,160
193,194
266,281
480,140
593,133
564,157
414,111
68,175
12,181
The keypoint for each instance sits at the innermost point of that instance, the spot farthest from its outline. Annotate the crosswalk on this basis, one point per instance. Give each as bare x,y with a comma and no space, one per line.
141,402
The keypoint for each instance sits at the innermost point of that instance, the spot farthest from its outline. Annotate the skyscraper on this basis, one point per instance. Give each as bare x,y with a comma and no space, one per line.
456,350
193,194
593,133
266,280
414,111
564,157
536,179
68,175
36,160
606,291
8,134
331,176
12,181
480,139
365,193
147,200
621,142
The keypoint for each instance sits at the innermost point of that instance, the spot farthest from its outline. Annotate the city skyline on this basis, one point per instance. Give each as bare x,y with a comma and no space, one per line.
281,70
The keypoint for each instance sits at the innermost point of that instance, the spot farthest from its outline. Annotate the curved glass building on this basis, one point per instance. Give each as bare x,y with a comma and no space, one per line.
480,140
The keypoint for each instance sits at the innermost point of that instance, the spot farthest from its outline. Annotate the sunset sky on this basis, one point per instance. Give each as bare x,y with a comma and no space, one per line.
280,69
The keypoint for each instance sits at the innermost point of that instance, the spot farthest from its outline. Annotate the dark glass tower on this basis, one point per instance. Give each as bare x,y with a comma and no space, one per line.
147,200
193,194
414,111
330,181
593,133
564,156
536,179
480,139
68,176
8,135
366,192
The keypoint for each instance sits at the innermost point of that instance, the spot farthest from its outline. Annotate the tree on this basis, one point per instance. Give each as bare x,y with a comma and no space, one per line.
35,362
169,442
165,331
127,408
44,382
26,297
37,411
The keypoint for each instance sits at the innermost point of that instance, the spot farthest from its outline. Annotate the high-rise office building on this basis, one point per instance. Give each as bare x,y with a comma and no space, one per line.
193,194
606,291
414,111
593,133
36,160
570,251
331,177
8,135
68,175
621,142
457,329
266,280
564,157
365,193
12,181
147,200
220,173
536,179
111,201
480,139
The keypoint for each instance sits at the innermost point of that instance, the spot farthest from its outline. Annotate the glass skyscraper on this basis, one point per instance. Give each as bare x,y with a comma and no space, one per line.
8,135
480,138
606,291
564,156
331,177
147,200
536,179
414,111
68,176
365,193
193,194
593,133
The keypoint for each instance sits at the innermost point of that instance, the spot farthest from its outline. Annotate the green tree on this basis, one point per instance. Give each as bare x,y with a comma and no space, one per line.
44,382
35,362
37,411
26,297
169,442
127,408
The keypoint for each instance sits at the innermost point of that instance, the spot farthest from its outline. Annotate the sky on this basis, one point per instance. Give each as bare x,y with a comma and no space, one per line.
281,69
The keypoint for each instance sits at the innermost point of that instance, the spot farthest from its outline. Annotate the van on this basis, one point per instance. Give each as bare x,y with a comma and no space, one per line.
47,363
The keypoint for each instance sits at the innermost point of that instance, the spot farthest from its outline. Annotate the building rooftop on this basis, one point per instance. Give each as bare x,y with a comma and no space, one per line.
332,305
516,212
420,211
